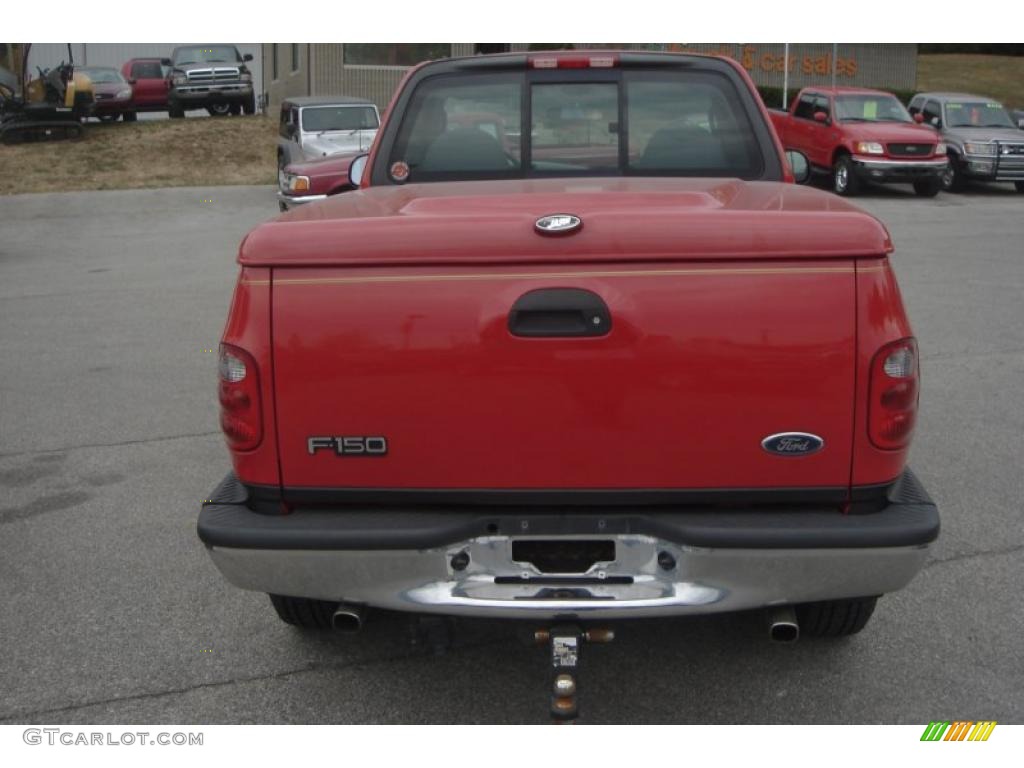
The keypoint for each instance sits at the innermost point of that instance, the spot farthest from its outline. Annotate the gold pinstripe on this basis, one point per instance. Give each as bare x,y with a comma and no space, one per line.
367,279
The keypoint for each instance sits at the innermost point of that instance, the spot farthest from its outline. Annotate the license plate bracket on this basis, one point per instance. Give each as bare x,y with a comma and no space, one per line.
564,556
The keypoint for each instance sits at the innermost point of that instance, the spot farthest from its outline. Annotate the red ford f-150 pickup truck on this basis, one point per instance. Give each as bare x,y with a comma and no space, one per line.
616,366
860,135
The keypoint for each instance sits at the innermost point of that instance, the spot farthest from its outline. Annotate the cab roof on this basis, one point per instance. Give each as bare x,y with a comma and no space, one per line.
948,95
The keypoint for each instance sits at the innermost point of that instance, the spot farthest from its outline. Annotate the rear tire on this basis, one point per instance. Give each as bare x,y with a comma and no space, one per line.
844,177
304,612
249,107
1019,185
835,618
130,117
927,188
175,110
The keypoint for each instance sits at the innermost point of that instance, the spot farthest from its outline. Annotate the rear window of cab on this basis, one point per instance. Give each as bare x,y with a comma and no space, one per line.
633,122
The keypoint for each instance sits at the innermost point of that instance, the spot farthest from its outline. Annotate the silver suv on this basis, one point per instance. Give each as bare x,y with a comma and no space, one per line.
313,127
983,141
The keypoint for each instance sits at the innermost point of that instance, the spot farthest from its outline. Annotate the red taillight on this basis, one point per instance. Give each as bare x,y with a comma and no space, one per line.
893,394
600,61
239,390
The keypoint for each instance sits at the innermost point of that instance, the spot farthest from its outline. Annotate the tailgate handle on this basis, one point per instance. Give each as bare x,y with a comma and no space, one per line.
559,312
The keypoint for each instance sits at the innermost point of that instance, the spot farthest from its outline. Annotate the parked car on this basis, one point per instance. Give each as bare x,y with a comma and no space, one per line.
313,127
150,81
113,93
301,183
514,383
983,141
861,135
211,77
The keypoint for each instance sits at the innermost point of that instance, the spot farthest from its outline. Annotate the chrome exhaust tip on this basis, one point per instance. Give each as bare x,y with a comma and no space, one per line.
347,618
782,624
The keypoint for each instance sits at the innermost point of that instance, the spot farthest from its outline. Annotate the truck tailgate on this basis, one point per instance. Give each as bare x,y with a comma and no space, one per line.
703,361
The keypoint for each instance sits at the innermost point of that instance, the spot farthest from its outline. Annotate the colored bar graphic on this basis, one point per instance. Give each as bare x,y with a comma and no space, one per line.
982,730
958,730
935,730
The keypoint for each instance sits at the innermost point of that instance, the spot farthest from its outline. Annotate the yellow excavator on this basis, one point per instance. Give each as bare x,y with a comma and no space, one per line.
47,107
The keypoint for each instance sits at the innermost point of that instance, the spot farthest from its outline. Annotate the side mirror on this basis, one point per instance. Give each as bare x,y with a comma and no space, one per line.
800,166
820,117
165,62
247,57
355,170
1020,123
918,117
936,122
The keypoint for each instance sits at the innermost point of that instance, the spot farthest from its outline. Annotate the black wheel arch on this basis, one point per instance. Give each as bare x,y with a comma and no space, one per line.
284,155
839,152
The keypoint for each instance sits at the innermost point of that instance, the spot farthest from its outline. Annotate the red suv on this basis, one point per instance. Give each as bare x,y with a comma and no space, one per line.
149,80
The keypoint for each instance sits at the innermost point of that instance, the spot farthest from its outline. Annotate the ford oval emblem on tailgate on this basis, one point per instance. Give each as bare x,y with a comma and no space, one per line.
792,444
558,224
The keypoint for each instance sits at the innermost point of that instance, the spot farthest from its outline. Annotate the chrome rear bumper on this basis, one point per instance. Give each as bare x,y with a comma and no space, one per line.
654,560
633,586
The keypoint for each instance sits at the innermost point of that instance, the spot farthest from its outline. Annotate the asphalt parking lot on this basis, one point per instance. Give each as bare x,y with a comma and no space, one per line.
110,610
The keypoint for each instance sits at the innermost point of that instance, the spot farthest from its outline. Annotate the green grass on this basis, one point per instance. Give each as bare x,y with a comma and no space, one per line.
1001,77
195,152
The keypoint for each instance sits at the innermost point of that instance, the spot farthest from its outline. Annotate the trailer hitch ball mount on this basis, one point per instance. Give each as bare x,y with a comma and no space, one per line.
565,643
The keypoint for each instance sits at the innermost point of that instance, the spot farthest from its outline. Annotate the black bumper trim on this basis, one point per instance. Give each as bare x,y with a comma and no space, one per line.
897,176
268,498
908,518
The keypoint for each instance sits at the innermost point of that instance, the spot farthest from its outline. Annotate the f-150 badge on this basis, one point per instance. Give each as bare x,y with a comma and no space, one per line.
792,444
351,445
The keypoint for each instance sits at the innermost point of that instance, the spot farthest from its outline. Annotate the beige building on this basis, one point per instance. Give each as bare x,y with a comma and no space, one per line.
373,70
367,70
